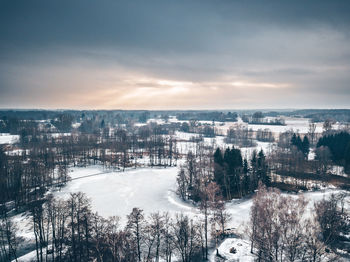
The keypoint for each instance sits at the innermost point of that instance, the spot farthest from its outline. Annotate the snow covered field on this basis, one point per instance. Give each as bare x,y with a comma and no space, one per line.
300,125
151,189
116,193
6,138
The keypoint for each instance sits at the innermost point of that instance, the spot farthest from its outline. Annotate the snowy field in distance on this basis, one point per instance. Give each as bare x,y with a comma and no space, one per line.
296,124
6,138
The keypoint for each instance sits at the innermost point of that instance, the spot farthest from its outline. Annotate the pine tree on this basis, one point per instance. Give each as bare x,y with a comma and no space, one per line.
219,168
299,143
347,159
218,157
306,146
263,168
294,140
254,165
246,181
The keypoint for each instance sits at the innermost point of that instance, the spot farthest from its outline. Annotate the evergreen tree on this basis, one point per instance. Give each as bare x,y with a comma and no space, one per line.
299,143
347,159
254,165
219,167
305,146
245,166
228,170
338,145
246,181
294,140
263,169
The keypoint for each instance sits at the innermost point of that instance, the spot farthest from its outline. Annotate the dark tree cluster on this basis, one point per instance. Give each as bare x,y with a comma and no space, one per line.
63,122
17,127
258,118
301,145
234,175
339,146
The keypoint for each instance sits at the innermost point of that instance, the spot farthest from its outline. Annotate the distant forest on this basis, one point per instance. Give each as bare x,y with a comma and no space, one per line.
317,115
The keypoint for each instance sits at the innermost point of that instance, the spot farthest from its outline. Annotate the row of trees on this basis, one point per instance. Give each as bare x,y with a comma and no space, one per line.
68,230
240,136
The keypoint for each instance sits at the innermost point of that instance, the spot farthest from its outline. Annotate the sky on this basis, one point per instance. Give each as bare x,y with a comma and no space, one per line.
174,54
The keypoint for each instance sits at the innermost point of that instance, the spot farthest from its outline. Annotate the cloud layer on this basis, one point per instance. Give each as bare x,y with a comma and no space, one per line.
174,54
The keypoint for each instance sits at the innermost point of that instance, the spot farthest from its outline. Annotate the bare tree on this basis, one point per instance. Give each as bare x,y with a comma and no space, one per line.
279,231
328,125
186,238
167,236
182,184
312,132
8,238
135,226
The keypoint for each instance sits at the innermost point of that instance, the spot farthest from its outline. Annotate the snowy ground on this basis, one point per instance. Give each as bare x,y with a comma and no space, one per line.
6,138
116,193
242,248
300,125
151,189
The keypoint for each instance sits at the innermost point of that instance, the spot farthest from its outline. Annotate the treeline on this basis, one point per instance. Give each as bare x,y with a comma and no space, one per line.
196,127
68,230
16,127
317,115
13,121
208,116
240,136
258,118
244,137
280,229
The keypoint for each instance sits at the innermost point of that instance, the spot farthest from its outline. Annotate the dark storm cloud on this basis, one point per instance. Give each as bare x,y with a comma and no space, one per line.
156,25
53,47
